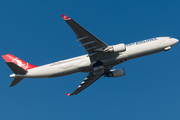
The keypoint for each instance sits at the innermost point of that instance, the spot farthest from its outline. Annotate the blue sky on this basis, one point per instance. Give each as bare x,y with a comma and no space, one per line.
35,32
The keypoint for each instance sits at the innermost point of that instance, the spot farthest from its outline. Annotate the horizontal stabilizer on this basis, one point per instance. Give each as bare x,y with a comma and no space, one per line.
15,81
15,68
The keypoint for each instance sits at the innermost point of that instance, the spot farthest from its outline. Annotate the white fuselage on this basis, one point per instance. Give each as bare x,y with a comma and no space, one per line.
83,63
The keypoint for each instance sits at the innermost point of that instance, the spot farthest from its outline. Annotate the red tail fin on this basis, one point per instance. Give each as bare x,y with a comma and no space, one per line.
17,61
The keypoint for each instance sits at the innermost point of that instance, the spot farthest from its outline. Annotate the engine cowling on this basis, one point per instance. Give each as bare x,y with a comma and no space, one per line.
116,48
115,73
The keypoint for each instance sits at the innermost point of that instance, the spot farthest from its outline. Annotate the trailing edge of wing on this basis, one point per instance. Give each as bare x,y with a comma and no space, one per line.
91,78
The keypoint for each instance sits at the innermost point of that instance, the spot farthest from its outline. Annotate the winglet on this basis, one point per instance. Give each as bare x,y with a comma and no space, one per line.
65,17
68,94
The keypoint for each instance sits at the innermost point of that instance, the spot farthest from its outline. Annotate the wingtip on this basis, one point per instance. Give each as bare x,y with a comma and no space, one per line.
11,85
68,94
65,17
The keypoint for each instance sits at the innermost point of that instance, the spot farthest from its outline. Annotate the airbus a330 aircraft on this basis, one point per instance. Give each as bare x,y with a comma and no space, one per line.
99,61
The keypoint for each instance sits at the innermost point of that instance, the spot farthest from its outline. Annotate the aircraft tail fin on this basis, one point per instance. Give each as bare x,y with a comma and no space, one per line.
18,66
15,68
13,59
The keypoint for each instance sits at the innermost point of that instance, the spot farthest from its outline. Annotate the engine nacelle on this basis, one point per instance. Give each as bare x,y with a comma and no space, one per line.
115,73
116,48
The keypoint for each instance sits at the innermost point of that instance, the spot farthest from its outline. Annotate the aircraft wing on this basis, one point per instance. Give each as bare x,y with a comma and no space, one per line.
84,84
92,44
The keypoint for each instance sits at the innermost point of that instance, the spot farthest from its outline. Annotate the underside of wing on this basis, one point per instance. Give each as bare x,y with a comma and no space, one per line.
92,44
91,78
84,84
97,52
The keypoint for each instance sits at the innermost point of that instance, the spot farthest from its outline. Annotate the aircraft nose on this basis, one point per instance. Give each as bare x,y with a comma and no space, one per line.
176,40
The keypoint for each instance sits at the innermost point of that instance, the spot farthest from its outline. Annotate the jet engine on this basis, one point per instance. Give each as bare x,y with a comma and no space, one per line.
115,73
116,48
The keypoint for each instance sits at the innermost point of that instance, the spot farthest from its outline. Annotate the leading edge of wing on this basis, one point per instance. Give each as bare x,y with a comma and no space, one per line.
81,31
91,78
90,42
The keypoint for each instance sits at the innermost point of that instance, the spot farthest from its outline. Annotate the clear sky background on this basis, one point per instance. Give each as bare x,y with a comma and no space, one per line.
35,31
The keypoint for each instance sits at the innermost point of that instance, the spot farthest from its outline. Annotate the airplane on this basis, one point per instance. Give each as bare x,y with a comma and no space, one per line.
99,61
